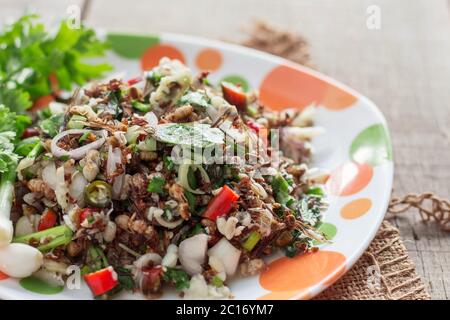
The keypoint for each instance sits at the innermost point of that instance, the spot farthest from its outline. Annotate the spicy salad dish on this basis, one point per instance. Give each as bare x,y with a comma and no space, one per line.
165,181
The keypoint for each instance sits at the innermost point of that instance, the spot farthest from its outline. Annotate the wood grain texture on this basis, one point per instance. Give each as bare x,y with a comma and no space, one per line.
404,68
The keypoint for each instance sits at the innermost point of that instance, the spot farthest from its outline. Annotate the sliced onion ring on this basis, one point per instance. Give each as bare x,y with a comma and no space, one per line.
183,179
170,225
78,153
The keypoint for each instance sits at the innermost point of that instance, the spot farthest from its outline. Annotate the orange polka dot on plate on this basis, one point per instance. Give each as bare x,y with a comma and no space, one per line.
336,98
3,276
349,179
209,59
356,208
335,276
287,86
152,55
301,272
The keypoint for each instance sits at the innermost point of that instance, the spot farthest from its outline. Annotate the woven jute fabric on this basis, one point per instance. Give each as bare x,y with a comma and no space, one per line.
385,271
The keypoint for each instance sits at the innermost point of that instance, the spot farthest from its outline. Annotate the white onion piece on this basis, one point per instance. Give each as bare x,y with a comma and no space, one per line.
61,189
157,214
19,260
31,199
23,164
49,175
6,231
49,277
305,117
117,186
78,153
115,158
143,261
192,253
151,119
55,266
171,257
69,223
111,162
76,188
183,170
24,226
228,254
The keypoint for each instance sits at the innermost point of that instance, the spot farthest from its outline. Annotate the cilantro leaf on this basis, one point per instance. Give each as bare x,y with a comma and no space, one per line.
156,185
31,56
178,277
52,125
10,121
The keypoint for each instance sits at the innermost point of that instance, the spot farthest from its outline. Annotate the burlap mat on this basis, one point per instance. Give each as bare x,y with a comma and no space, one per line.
385,271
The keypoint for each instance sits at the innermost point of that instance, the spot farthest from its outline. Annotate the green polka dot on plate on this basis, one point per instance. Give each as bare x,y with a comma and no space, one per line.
130,46
37,285
329,230
371,146
238,80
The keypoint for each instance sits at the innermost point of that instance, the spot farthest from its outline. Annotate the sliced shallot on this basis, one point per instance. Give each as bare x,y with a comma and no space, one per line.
80,152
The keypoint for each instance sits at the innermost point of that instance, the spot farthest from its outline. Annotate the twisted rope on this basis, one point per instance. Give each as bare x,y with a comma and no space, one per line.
430,207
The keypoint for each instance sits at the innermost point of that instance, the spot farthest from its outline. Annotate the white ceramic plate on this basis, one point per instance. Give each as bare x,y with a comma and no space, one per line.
356,149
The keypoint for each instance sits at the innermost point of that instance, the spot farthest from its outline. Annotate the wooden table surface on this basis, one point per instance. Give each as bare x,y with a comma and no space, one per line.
404,67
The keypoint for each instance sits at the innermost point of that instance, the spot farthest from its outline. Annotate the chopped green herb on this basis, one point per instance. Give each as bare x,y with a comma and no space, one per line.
64,158
52,125
281,189
47,158
192,201
217,282
168,163
157,185
84,136
291,250
197,229
178,277
141,106
125,278
154,77
76,122
28,174
315,191
251,241
24,147
44,113
309,209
